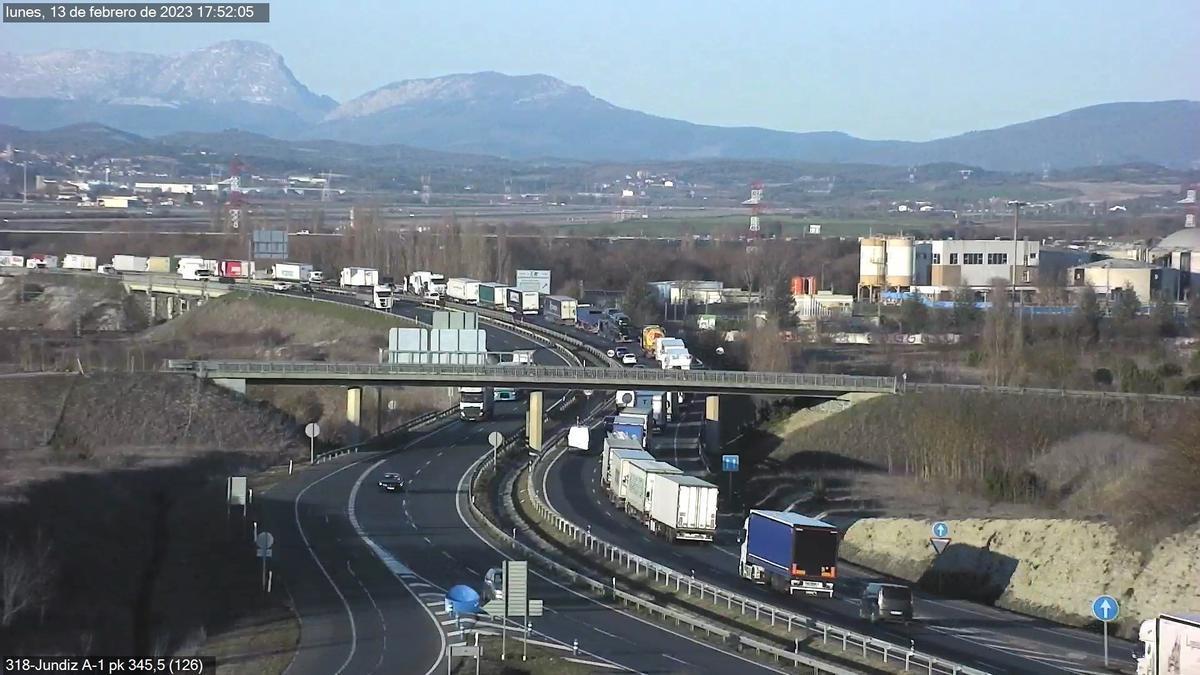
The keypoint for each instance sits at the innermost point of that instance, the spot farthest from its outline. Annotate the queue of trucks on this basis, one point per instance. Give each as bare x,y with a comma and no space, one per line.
656,494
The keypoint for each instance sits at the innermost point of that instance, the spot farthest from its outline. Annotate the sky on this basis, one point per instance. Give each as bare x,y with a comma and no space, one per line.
876,69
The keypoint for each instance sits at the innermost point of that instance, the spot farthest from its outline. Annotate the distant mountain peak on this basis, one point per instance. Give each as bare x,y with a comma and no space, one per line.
485,87
232,71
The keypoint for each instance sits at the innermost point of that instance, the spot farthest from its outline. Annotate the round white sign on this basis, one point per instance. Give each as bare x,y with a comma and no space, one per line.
312,430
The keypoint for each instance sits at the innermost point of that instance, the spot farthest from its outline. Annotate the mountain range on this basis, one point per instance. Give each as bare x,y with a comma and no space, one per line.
248,86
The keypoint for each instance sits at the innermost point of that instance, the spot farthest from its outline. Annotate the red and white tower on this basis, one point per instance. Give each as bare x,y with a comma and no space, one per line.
236,200
755,202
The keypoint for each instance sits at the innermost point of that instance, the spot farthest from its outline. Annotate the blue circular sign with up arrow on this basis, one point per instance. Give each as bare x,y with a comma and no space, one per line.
941,530
1106,608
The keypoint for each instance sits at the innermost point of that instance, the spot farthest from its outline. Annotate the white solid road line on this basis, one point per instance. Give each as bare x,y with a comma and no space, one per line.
382,621
324,572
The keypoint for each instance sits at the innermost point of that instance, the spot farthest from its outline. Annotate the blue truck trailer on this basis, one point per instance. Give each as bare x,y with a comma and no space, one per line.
630,427
789,552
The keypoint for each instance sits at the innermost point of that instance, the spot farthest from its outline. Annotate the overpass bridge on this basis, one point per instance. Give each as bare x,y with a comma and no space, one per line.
534,377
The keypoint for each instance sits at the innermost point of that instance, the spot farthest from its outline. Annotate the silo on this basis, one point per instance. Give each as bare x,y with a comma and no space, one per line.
899,262
871,262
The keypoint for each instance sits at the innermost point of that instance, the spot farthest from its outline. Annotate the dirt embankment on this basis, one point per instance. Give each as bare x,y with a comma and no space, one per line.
1055,500
113,486
1045,567
73,423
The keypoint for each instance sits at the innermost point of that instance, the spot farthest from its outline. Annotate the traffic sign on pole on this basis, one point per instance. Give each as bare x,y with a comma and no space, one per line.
939,544
1106,608
941,530
730,463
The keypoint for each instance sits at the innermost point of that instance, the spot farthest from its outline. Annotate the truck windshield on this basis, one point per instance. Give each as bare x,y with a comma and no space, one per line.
471,396
815,548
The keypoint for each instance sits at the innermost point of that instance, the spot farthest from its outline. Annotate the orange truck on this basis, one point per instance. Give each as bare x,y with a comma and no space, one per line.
650,337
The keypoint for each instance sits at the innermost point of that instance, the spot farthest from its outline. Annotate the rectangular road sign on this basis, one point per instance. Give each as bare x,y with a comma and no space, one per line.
235,493
464,650
730,463
516,587
494,607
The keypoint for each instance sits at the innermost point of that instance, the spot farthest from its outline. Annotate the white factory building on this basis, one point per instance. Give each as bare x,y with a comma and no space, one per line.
937,268
1111,277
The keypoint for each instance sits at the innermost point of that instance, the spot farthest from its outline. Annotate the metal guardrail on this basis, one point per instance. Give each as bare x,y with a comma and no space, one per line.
602,589
776,616
567,376
415,422
923,387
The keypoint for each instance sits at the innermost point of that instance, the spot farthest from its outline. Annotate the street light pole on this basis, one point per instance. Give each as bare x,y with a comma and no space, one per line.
24,182
1016,207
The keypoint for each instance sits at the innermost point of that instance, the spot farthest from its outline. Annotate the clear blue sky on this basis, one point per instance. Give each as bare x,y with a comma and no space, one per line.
874,68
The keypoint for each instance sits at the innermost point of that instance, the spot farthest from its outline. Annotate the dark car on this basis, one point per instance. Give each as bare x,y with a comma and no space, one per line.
391,482
886,602
608,423
306,288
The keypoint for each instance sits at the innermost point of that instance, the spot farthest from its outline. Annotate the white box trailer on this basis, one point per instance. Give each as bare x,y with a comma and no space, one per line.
665,343
1172,645
682,507
298,272
358,277
130,263
614,473
636,482
517,301
9,260
463,289
613,442
77,261
41,261
619,466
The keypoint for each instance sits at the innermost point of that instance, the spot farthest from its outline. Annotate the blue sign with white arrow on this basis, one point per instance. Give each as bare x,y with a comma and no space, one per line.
941,530
1106,608
730,463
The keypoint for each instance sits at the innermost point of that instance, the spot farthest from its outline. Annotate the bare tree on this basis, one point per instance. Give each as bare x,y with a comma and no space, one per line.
25,578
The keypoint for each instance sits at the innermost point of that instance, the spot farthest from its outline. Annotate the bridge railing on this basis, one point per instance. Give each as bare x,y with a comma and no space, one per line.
533,373
403,427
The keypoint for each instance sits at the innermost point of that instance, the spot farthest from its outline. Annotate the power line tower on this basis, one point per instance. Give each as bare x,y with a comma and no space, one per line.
426,189
325,191
236,200
755,202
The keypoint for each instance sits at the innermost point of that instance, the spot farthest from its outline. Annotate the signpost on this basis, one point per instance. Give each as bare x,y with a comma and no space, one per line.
940,540
496,439
1106,608
730,465
516,602
264,541
312,430
463,651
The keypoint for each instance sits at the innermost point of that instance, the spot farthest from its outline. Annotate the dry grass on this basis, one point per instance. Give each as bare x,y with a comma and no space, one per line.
991,456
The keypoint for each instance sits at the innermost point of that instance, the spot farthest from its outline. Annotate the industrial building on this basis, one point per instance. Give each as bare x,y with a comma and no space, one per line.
937,268
1110,277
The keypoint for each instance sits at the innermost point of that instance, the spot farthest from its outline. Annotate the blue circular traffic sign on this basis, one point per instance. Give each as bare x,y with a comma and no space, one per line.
941,530
1106,608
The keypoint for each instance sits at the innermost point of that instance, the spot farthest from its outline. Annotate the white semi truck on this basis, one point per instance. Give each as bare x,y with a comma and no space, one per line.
637,481
1172,645
682,507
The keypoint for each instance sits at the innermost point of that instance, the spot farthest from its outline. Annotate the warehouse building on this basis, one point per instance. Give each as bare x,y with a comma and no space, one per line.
1110,277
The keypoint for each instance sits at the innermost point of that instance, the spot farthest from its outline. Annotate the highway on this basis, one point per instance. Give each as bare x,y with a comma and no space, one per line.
983,637
368,570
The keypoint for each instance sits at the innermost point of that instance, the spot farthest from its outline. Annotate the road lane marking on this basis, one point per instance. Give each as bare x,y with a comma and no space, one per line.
324,572
604,632
676,660
382,621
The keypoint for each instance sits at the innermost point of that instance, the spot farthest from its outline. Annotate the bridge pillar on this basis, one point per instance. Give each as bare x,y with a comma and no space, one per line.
233,384
170,307
533,421
354,412
153,307
712,423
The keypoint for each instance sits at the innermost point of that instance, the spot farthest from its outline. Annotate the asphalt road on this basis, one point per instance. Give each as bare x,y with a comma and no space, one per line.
368,570
984,637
